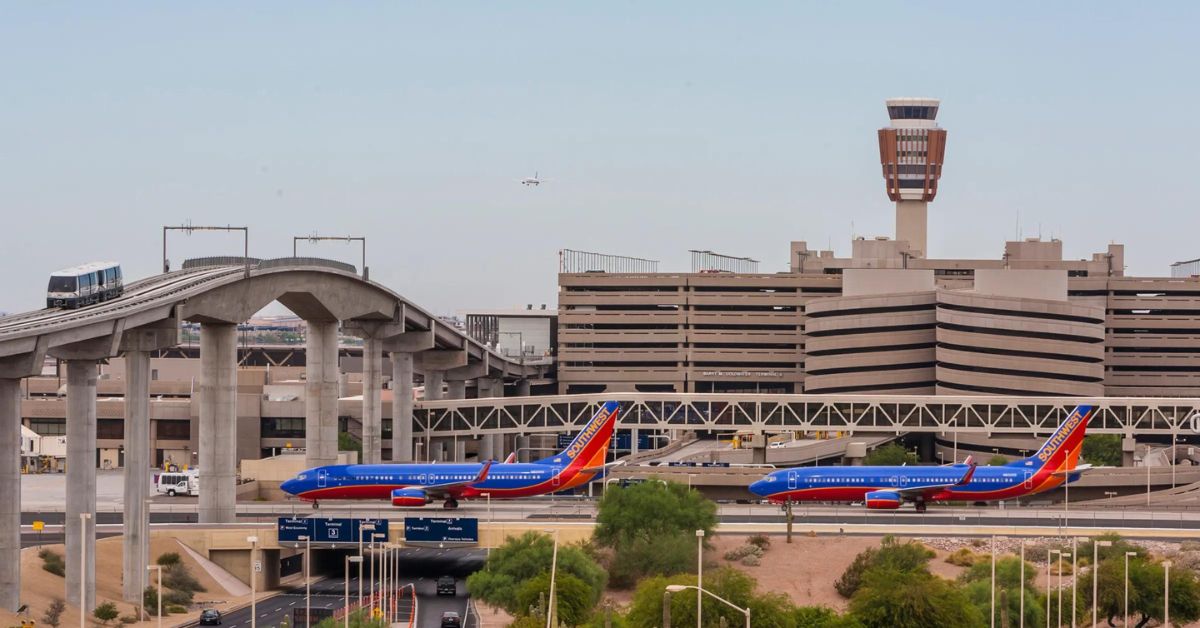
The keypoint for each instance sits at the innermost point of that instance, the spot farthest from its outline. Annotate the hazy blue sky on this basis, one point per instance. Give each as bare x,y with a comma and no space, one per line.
660,126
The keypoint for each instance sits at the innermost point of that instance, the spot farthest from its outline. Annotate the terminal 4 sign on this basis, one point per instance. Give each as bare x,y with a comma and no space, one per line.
332,530
447,530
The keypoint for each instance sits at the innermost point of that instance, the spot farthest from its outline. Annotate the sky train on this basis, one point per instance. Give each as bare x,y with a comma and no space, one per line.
84,285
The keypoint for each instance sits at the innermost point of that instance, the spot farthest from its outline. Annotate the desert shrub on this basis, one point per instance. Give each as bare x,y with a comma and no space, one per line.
105,613
751,560
761,540
127,619
175,609
174,597
53,562
179,578
53,615
743,551
169,558
962,557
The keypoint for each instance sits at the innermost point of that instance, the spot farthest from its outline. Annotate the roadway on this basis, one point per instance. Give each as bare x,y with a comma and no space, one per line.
422,567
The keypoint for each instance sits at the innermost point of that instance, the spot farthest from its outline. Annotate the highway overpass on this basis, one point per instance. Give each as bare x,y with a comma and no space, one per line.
146,319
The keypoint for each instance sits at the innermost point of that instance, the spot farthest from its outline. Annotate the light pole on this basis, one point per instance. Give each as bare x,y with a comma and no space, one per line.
699,574
371,528
1049,553
307,572
346,587
253,541
550,610
1096,545
1060,585
1021,621
157,568
675,588
1127,555
145,555
1074,577
992,613
375,537
1166,593
666,609
83,575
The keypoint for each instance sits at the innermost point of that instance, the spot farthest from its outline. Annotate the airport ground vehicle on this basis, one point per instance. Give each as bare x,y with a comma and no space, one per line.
84,285
210,617
447,585
177,483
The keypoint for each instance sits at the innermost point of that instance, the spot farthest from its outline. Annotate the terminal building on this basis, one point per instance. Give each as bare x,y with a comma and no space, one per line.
890,318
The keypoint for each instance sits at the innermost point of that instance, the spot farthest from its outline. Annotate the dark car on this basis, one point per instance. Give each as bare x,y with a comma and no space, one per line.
210,617
450,619
447,585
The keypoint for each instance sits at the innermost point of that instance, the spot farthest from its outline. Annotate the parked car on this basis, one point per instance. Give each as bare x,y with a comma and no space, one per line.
447,585
210,617
450,619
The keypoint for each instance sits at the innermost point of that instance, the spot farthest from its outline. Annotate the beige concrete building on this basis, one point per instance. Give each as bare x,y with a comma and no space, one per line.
890,318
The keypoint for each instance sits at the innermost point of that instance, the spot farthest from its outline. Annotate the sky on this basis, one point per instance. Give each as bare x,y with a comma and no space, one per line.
659,127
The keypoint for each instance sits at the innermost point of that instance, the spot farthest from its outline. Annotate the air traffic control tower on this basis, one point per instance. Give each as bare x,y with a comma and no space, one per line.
911,151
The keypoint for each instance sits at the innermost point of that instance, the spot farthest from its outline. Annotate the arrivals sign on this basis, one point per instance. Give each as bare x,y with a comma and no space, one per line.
447,530
328,530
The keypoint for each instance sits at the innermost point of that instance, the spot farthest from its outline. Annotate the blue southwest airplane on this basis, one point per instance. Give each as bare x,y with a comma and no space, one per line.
414,485
888,487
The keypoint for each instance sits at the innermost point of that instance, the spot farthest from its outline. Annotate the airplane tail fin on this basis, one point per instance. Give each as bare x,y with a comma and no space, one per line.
512,457
1061,450
591,443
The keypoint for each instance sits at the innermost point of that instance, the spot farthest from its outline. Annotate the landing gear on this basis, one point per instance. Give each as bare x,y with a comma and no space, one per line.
316,505
450,504
921,506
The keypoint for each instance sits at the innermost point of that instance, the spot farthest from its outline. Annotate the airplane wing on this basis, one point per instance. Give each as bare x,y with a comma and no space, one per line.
447,488
602,467
912,492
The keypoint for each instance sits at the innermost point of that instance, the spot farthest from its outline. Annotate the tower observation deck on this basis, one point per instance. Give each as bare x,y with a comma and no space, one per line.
911,150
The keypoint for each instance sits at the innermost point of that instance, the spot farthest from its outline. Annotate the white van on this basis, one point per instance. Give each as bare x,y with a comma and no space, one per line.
177,483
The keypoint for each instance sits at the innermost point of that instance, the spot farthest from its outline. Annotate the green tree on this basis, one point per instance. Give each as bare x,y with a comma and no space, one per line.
1102,450
346,442
891,554
889,598
650,510
1145,590
997,461
891,454
823,617
978,588
651,528
526,557
766,611
105,613
572,597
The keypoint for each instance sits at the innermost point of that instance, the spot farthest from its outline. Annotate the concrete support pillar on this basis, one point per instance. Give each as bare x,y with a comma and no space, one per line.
523,388
402,406
320,393
137,478
218,423
855,453
10,494
486,448
486,387
372,412
633,441
81,483
911,225
1128,447
439,449
522,449
460,450
456,389
433,384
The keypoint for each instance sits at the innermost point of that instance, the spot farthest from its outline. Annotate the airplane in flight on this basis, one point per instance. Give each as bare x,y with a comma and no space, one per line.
533,181
414,485
886,488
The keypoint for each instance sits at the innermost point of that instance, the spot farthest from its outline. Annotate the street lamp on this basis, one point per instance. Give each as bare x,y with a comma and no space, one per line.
1096,545
253,541
1074,577
1049,553
699,573
157,568
1166,593
370,527
675,588
374,537
992,613
346,586
1021,621
1127,555
550,610
307,571
1061,555
83,575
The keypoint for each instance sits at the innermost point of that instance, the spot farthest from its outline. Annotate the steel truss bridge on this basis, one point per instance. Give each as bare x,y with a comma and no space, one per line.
1030,416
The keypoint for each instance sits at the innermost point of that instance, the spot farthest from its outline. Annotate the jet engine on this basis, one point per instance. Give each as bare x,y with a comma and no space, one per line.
409,498
877,500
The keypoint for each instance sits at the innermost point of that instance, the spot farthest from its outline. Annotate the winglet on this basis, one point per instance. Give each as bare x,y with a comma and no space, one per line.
971,466
512,457
483,473
969,461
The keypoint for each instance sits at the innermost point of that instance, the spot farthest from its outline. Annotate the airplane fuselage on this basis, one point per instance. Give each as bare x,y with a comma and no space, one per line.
851,484
377,481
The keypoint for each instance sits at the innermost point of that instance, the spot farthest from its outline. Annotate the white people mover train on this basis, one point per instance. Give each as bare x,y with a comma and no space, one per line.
84,285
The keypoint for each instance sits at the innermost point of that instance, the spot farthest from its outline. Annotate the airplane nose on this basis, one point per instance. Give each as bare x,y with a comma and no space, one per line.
289,486
757,487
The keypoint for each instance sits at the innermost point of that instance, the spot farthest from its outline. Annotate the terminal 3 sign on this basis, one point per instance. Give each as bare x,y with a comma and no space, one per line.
318,530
